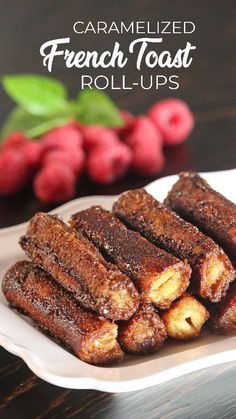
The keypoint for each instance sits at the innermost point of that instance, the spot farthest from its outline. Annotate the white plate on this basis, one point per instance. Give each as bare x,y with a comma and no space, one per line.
57,366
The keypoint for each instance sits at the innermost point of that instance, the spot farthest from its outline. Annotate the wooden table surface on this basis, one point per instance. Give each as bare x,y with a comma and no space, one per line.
209,86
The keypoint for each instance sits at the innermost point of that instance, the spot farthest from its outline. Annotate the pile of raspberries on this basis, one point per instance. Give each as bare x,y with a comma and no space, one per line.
56,161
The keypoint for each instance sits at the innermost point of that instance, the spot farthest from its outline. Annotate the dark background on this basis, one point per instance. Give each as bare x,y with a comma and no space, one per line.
209,86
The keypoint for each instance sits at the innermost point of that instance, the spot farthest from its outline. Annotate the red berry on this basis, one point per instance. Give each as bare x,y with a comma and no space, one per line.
54,183
128,119
66,137
144,129
97,136
32,150
174,119
146,144
14,171
14,140
147,159
75,124
74,159
105,165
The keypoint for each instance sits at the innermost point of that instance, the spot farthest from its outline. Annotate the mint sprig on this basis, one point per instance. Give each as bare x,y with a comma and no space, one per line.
32,125
38,95
96,107
43,104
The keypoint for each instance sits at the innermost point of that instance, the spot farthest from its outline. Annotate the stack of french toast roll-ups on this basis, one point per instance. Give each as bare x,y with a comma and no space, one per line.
107,283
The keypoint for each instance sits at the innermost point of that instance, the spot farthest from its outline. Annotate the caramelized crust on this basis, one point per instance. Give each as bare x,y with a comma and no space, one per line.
159,276
185,318
79,267
212,271
144,333
34,292
193,199
223,315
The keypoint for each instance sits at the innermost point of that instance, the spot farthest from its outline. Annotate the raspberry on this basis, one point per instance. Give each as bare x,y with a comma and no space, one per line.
96,135
66,137
75,125
128,119
174,120
54,183
14,140
146,144
31,149
144,129
74,159
147,159
14,171
105,165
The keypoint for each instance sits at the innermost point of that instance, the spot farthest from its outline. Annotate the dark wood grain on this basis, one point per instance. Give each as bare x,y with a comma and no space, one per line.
210,89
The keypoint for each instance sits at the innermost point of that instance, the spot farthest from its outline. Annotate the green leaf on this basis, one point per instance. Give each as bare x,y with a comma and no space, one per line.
32,125
46,126
39,95
96,107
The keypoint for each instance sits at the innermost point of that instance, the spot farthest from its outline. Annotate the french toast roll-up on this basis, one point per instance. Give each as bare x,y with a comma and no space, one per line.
223,315
77,265
185,318
193,199
144,332
212,271
159,276
35,293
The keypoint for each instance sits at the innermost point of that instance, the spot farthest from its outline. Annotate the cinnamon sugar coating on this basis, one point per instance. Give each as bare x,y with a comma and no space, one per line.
77,265
193,199
159,276
223,315
212,270
144,333
35,293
